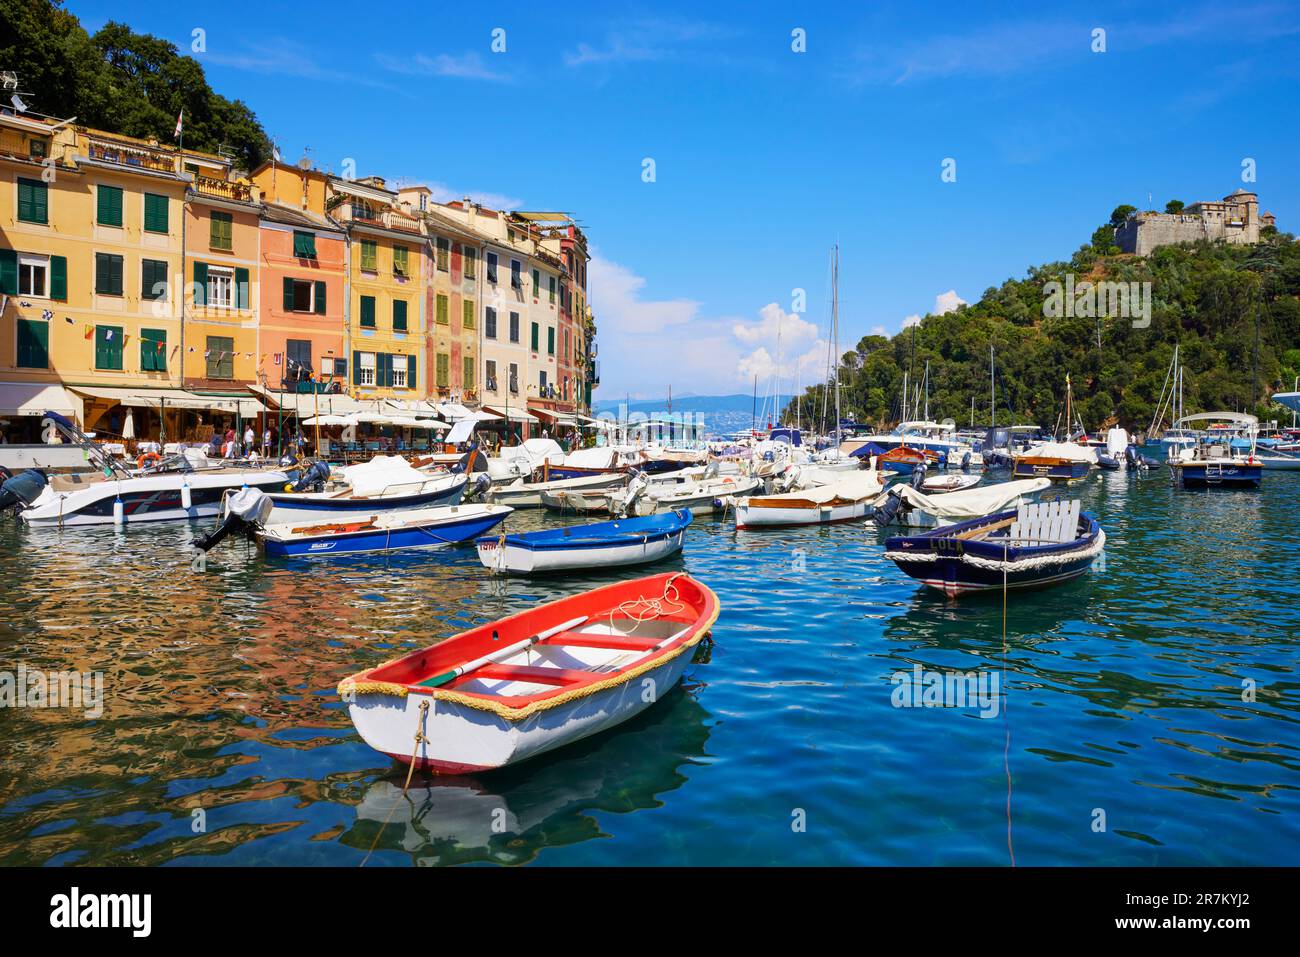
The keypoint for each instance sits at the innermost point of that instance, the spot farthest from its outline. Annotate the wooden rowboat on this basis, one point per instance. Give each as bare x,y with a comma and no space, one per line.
527,684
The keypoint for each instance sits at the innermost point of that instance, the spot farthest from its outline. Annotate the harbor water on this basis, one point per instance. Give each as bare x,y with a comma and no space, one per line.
1147,713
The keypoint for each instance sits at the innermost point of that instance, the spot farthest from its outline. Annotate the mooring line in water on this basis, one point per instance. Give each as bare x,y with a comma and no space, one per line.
415,753
1006,748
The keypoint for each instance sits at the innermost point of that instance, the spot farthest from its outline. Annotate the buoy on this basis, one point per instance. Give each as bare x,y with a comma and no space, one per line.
187,500
119,512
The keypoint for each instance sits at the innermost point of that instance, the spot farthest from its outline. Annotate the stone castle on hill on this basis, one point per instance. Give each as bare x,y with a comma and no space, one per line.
1236,219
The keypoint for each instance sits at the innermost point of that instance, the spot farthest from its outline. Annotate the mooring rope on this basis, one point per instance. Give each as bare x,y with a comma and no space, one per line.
420,738
655,607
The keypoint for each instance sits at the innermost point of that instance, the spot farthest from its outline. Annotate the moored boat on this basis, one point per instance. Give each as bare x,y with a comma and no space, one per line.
939,484
535,681
910,508
627,541
1058,461
1031,546
846,497
520,494
406,530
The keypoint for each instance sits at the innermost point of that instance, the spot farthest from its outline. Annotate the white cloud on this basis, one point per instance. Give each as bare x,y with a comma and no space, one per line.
616,292
442,193
467,66
947,302
879,331
912,320
775,323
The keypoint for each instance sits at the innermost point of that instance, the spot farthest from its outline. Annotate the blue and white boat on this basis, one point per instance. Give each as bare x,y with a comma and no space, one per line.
407,530
1031,546
384,484
628,541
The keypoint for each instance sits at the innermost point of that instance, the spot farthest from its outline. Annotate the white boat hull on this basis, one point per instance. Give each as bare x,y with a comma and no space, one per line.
466,739
148,498
515,560
529,495
750,516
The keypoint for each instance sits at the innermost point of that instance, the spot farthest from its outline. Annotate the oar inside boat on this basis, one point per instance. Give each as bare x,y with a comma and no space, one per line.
506,652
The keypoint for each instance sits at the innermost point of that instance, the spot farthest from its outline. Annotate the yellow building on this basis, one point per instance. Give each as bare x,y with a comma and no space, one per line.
386,322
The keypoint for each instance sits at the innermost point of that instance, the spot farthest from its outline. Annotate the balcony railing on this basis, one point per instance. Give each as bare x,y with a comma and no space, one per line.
132,156
223,189
388,219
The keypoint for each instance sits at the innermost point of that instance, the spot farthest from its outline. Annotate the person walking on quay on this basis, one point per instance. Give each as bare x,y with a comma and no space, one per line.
249,438
228,449
266,442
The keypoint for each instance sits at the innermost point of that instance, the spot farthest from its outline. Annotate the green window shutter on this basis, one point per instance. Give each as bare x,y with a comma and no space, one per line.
304,244
537,283
410,372
356,368
155,213
153,358
153,272
33,201
108,347
536,335
550,340
467,378
399,315
319,300
444,251
8,272
468,313
470,259
109,206
288,294
221,231
443,363
369,256
241,288
552,278
442,310
108,274
59,277
399,261
368,311
200,284
383,370
33,344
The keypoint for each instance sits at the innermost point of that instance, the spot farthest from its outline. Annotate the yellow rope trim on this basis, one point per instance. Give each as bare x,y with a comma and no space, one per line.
518,714
347,685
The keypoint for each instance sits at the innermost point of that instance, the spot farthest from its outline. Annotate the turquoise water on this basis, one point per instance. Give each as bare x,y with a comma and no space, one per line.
1122,697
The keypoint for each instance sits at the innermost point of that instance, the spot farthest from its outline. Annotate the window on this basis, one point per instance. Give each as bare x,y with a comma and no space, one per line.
536,335
33,201
108,347
514,378
441,315
400,261
108,275
220,287
471,261
108,207
541,383
297,360
514,327
552,279
398,374
550,339
491,267
368,313
304,295
369,256
340,367
490,322
33,344
537,284
444,250
491,375
516,281
304,244
33,275
155,213
221,231
443,380
467,373
366,368
38,149
399,315
153,279
467,313
221,357
153,350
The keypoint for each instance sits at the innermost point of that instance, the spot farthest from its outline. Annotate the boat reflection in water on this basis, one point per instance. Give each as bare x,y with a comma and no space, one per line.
511,815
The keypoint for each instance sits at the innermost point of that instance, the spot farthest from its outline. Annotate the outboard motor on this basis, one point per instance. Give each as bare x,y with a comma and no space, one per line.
965,462
887,511
636,487
313,478
246,509
22,489
478,488
918,477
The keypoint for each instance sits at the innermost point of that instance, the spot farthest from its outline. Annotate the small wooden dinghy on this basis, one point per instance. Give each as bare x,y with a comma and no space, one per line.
520,494
416,528
535,681
904,459
626,541
846,497
1034,545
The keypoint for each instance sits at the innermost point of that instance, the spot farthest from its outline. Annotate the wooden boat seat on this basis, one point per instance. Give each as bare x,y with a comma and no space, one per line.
580,639
1046,523
544,676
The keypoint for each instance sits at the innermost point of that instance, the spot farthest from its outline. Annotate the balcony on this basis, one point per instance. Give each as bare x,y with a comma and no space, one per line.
223,189
387,219
131,156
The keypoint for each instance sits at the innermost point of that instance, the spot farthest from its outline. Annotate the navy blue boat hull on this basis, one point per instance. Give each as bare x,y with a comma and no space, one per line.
1064,472
1216,475
384,540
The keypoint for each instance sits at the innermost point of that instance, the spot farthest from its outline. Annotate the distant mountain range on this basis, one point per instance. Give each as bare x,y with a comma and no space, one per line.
721,413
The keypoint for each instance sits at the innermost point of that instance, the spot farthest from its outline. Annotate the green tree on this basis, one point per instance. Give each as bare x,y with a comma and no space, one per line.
1174,206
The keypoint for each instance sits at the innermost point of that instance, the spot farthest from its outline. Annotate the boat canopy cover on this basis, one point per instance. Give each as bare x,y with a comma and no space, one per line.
824,487
381,472
598,458
971,503
1117,440
1289,399
1063,450
1237,418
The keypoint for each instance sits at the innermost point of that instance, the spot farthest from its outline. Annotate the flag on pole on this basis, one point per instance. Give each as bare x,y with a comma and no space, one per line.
180,123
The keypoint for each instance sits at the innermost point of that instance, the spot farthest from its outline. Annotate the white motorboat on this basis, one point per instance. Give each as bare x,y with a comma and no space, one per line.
823,499
521,494
910,508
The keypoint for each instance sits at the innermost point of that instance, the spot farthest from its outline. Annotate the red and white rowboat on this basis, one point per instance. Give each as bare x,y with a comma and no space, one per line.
527,684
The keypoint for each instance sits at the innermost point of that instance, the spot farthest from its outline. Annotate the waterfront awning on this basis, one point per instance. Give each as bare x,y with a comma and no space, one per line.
35,398
514,415
143,398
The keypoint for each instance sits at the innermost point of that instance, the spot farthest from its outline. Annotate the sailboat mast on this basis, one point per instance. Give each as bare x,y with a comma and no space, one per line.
993,395
927,391
835,336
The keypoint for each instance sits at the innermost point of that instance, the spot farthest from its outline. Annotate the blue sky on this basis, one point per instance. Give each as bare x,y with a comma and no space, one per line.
765,157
